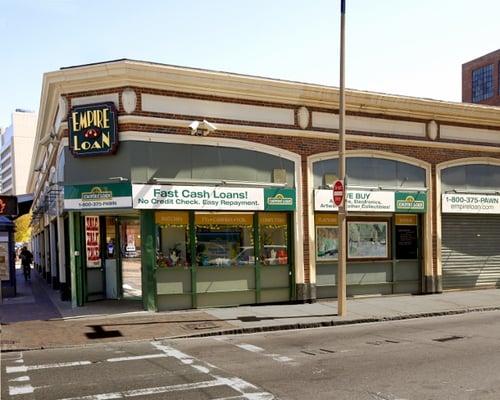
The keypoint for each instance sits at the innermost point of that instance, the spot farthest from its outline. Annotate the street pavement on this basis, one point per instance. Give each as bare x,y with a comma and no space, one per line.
449,357
37,319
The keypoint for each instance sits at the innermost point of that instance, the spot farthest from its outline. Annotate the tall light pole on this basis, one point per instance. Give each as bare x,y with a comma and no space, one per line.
341,268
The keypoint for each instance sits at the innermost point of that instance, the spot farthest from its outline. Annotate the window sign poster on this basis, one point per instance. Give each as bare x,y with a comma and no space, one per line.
327,243
4,261
92,241
406,242
367,239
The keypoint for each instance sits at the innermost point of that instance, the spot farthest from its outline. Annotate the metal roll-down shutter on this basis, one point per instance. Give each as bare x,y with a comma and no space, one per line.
470,251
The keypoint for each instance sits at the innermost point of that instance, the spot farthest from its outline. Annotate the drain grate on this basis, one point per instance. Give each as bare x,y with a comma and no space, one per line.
448,338
200,325
6,341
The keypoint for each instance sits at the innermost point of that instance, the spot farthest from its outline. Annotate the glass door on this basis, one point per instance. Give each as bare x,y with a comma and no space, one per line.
130,252
111,259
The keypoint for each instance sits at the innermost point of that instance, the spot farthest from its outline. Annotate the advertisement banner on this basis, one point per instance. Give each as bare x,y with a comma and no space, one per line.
356,200
470,203
89,197
92,242
172,197
411,202
279,199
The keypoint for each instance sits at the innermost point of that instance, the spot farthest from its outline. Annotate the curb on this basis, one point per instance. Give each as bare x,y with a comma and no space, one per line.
331,323
274,328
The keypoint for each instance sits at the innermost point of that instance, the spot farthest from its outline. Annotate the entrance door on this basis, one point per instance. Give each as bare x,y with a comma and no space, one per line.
130,250
112,259
93,258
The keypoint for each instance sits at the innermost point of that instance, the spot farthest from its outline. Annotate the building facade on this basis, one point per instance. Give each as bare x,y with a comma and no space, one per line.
186,188
481,80
16,152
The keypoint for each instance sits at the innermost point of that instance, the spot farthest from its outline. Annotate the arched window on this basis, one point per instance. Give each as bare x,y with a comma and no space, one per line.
370,172
471,177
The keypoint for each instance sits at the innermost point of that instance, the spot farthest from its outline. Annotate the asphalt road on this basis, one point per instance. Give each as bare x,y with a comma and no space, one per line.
455,357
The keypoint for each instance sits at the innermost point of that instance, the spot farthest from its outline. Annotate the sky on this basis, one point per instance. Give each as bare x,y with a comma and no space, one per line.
407,47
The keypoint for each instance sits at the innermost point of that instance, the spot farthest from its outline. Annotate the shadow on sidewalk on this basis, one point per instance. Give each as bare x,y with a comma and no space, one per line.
31,303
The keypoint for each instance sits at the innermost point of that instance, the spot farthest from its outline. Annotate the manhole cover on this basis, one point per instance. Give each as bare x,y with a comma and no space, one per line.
200,325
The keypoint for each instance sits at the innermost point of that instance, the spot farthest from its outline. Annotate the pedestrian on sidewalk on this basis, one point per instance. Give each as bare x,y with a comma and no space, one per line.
26,259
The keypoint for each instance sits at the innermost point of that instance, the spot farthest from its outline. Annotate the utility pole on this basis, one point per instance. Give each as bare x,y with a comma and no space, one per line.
341,267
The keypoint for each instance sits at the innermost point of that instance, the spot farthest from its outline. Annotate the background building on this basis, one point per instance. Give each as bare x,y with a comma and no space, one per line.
16,149
481,80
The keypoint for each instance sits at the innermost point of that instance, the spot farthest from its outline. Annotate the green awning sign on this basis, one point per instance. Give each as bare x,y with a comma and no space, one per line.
407,202
279,199
89,197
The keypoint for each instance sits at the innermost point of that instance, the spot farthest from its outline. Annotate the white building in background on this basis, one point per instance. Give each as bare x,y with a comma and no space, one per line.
15,154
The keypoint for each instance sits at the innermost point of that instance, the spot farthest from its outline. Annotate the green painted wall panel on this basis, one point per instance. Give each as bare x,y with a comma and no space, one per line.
174,302
275,276
225,279
407,270
225,299
275,295
173,281
363,273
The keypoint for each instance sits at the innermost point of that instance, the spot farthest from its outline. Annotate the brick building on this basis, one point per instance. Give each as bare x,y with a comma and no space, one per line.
481,80
190,188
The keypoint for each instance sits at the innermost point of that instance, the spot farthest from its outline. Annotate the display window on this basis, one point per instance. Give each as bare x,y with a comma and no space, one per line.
224,239
173,239
327,236
273,234
368,240
406,240
131,238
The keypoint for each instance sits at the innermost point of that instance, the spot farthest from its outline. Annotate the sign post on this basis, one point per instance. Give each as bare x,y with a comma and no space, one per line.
342,263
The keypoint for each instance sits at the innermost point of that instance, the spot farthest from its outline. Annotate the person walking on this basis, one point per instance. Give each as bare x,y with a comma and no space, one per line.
26,259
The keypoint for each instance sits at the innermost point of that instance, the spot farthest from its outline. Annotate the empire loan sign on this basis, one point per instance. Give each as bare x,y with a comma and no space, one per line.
93,130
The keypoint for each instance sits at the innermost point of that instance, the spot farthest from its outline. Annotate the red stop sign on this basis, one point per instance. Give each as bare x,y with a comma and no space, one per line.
338,193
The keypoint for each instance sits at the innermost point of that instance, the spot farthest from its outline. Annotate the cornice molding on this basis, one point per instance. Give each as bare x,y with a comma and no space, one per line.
214,83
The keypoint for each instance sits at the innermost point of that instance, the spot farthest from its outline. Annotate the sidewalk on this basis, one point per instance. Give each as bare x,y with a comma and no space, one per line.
37,319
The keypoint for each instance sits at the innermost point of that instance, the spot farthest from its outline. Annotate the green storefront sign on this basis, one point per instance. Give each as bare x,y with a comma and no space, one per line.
411,202
279,199
83,197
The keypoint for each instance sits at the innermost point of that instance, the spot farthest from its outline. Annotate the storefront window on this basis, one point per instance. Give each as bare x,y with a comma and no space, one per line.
367,239
406,240
224,239
110,238
173,246
273,233
327,237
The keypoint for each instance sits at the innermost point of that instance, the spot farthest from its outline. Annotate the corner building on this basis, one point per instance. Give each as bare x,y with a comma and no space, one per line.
186,188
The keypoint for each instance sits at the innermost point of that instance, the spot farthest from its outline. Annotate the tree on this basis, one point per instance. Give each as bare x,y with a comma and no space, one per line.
23,229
